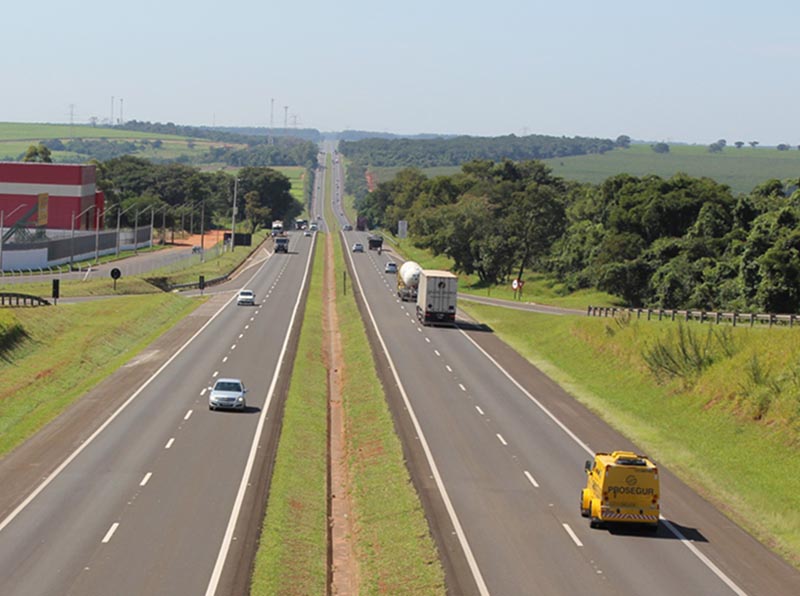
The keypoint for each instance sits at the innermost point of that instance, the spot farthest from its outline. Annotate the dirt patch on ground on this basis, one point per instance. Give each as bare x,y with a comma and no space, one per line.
344,566
209,238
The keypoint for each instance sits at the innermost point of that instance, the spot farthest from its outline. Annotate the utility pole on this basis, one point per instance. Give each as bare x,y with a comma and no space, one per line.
121,117
233,217
111,121
202,231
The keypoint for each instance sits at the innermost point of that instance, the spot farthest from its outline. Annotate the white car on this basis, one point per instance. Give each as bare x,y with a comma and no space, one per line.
246,297
228,394
307,233
391,267
358,247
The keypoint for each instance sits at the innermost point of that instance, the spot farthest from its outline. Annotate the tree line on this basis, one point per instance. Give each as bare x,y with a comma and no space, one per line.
454,151
137,186
679,242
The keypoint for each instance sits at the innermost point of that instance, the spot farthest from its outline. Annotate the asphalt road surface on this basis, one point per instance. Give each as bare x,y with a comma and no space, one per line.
156,501
497,452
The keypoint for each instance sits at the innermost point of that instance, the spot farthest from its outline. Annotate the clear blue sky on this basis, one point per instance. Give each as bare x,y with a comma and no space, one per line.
692,71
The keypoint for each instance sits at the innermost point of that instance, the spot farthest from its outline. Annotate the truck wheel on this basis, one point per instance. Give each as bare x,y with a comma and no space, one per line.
594,522
584,512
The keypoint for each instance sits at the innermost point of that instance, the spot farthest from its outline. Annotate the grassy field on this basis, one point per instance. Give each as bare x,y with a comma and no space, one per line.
741,169
15,138
62,352
296,174
701,426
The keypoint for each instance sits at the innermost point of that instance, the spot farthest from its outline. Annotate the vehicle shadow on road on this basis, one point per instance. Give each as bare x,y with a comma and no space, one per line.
664,532
470,326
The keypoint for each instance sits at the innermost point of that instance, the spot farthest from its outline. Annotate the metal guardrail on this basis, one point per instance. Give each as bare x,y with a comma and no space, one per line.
15,299
701,316
195,284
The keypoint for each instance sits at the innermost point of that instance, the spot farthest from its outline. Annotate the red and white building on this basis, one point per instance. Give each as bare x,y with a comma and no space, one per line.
70,191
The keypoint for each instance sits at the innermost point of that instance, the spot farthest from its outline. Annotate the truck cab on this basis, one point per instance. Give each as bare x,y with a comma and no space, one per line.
621,487
281,244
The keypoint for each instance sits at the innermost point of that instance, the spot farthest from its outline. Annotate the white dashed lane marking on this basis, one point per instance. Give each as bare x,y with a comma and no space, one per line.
437,352
225,359
572,535
216,372
188,415
447,366
460,386
531,479
169,443
502,440
479,410
110,532
146,479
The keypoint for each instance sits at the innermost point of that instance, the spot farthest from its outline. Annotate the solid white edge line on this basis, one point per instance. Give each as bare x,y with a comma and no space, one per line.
502,440
110,532
11,516
216,574
572,535
462,538
531,479
703,558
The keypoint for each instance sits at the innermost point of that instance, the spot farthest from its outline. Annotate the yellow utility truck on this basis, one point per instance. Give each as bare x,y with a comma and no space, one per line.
621,487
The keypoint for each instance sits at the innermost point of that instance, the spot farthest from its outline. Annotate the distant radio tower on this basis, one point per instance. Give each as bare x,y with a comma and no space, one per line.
121,117
111,120
270,140
285,116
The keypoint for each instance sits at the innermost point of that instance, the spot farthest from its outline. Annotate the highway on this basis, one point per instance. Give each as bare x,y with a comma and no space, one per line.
165,496
497,450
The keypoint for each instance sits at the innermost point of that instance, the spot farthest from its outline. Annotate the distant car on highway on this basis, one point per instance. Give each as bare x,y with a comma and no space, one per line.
391,267
347,228
307,233
228,394
358,247
246,297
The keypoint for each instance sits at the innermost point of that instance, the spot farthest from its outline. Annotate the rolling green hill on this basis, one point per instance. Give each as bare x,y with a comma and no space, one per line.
741,169
15,138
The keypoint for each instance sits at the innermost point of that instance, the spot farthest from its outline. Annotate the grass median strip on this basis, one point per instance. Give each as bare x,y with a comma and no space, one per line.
62,352
395,551
292,555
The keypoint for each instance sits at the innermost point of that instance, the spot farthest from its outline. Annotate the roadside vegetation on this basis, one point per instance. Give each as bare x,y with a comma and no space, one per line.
681,242
719,406
49,357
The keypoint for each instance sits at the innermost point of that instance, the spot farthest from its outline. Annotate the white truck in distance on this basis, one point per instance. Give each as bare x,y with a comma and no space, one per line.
407,281
277,227
436,297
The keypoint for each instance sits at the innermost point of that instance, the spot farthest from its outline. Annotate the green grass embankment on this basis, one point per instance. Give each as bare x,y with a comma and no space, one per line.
292,555
58,353
709,426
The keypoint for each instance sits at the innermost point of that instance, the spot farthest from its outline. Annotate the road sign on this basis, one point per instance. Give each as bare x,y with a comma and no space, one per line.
116,274
515,284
